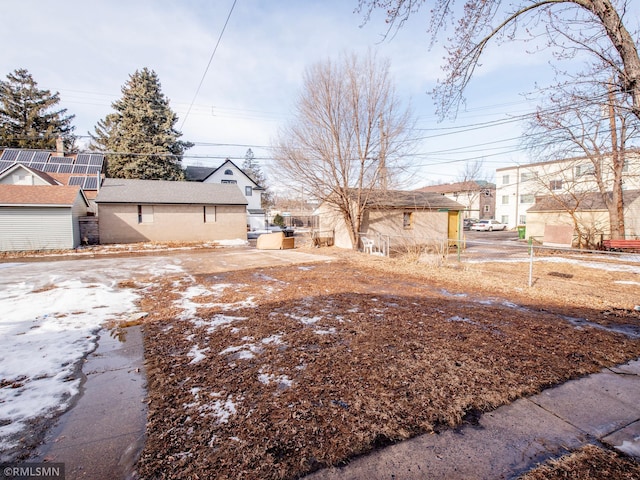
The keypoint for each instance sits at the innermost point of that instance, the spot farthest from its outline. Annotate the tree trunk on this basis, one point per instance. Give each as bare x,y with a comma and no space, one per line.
623,43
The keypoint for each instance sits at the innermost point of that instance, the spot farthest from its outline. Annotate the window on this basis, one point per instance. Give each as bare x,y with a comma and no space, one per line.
505,179
209,213
527,198
487,208
585,169
145,213
505,199
555,185
228,172
504,219
524,176
523,220
22,179
407,220
625,166
248,191
229,181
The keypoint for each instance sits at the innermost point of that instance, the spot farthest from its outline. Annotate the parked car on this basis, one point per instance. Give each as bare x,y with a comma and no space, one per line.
488,226
468,222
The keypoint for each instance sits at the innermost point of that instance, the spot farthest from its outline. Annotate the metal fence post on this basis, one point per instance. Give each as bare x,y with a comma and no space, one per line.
530,261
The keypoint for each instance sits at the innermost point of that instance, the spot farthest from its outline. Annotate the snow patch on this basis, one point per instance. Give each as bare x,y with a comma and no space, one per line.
44,334
197,353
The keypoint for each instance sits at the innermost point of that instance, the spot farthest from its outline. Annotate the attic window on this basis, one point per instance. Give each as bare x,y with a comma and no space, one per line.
228,172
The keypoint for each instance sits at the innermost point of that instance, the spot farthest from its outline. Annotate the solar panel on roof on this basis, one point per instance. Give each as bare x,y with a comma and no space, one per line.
25,156
50,167
83,159
37,166
96,160
65,168
90,183
41,157
79,169
76,180
9,155
4,165
93,170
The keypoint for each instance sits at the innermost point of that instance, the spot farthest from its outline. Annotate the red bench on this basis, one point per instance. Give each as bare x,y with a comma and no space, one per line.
621,245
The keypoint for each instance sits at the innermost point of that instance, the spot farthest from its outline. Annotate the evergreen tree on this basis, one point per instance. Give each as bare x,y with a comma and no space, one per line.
251,167
140,135
27,115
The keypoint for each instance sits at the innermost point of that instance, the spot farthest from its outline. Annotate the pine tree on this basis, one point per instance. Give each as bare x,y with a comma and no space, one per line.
140,135
251,167
27,115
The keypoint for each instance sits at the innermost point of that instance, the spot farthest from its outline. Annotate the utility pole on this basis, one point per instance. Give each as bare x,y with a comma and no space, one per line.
382,156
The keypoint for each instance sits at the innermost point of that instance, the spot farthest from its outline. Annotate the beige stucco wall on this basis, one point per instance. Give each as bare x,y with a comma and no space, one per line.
428,226
632,220
594,222
597,222
118,223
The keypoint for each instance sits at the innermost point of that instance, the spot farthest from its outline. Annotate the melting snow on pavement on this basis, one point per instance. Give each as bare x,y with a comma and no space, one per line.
44,334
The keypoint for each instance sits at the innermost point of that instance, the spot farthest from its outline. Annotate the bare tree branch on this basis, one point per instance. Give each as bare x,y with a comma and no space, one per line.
349,135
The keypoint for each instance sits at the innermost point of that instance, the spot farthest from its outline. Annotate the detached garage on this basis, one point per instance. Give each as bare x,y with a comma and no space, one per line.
40,217
131,211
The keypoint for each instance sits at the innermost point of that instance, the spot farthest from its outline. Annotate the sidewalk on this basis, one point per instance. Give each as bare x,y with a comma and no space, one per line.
103,434
604,407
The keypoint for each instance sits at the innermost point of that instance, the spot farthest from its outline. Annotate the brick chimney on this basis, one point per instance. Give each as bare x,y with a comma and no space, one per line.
60,147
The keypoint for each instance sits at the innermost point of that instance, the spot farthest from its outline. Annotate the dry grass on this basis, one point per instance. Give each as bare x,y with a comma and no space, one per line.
588,463
334,360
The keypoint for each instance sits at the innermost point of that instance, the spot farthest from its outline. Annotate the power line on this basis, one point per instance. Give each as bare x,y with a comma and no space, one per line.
215,49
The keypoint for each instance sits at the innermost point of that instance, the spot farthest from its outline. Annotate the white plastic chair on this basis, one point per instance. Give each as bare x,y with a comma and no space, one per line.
367,245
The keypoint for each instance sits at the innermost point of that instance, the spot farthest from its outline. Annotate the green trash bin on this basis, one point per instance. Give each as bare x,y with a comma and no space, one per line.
522,231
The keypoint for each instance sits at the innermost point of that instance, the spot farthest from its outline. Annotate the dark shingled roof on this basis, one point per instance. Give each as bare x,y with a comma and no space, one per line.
581,203
197,174
412,199
468,186
117,190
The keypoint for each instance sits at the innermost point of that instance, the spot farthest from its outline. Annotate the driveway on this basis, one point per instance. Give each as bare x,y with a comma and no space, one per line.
57,357
488,245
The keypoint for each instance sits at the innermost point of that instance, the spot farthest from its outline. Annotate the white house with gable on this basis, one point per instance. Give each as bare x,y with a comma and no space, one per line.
230,173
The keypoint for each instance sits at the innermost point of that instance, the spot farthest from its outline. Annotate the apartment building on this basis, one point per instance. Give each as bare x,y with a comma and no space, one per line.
518,186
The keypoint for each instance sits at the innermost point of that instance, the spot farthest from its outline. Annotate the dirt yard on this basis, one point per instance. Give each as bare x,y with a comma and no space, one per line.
277,372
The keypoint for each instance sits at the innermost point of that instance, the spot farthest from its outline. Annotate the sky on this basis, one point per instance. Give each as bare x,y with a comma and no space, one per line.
86,51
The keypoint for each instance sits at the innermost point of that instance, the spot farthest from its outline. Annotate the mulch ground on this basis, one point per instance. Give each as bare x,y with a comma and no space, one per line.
277,372
588,463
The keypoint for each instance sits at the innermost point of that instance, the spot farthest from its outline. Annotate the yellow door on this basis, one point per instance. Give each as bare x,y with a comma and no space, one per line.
454,225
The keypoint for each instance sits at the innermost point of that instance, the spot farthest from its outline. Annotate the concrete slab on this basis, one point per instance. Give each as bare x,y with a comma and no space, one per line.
598,404
103,434
506,442
629,368
626,440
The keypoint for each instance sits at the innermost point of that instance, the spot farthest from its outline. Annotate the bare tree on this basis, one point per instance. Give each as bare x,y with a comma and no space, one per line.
598,25
348,136
594,125
471,180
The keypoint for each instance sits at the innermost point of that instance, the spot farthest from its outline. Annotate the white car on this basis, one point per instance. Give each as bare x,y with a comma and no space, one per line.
488,226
